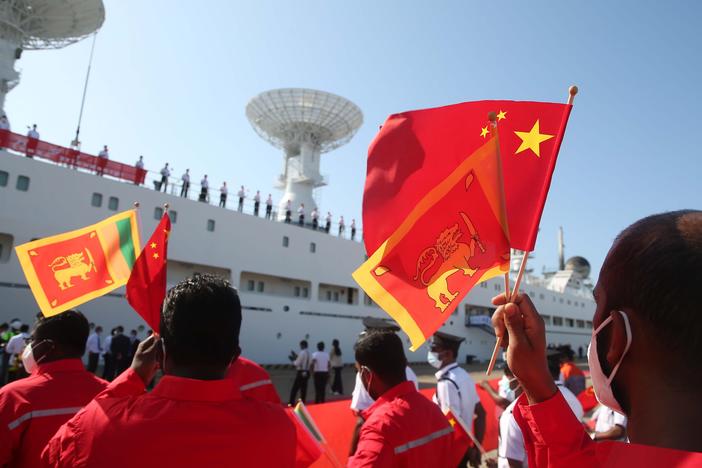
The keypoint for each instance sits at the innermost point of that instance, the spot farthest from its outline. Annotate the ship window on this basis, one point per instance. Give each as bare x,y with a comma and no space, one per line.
580,323
368,301
250,285
582,304
568,301
4,176
313,247
96,200
329,296
297,291
260,286
305,292
588,324
498,287
541,296
286,241
158,213
560,300
211,225
547,319
113,203
570,323
22,183
173,215
483,285
558,321
336,296
6,241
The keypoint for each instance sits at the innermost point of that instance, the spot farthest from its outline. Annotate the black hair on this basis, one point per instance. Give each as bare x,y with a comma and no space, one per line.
200,321
320,346
335,346
654,269
98,329
133,331
68,330
24,328
303,344
4,326
120,329
382,353
554,365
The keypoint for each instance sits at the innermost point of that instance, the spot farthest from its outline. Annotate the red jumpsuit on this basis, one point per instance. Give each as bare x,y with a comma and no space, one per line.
253,381
554,437
403,429
33,408
182,422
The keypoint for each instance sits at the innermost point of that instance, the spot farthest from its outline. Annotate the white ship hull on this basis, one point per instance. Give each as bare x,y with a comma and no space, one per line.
249,251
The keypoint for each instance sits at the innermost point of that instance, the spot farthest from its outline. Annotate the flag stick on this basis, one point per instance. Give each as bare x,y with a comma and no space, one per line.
138,218
518,281
572,91
331,456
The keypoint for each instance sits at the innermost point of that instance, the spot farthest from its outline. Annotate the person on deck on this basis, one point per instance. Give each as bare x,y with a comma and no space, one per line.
402,428
455,390
32,409
195,416
643,356
32,141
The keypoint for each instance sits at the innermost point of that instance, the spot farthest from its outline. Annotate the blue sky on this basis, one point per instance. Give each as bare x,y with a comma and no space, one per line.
170,80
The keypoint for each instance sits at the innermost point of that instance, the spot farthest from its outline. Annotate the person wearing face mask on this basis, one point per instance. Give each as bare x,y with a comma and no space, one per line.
506,389
195,415
402,428
643,356
58,386
455,390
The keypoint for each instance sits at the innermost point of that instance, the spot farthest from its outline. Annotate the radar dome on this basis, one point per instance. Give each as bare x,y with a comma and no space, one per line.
579,265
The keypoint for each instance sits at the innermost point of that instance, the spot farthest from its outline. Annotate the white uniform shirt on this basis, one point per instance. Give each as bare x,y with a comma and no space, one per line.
302,362
321,359
108,345
4,124
17,343
269,201
139,164
361,399
301,211
607,418
105,155
257,198
511,440
328,218
204,184
33,134
455,391
353,224
93,344
185,178
165,172
314,214
223,189
241,193
335,360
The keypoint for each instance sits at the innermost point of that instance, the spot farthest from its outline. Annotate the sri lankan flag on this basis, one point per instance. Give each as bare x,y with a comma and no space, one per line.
69,269
310,440
454,237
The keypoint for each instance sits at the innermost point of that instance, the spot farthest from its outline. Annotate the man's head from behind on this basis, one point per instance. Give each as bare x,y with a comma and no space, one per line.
61,336
200,324
652,274
380,361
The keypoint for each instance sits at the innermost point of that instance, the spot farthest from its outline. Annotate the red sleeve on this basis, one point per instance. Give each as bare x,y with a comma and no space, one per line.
127,384
372,450
12,408
553,436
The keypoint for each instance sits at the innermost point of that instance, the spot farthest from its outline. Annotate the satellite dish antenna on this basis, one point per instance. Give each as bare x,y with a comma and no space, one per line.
42,24
304,123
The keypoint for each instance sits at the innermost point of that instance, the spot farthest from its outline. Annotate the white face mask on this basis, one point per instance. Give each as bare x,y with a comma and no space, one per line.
433,359
28,361
601,383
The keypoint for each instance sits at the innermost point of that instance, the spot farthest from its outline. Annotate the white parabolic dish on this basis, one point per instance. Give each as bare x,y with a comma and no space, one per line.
50,24
278,115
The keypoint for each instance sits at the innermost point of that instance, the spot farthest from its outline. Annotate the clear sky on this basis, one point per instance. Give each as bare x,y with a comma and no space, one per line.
171,79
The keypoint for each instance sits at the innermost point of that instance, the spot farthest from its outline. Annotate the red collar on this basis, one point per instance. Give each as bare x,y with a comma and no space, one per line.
404,388
62,365
181,388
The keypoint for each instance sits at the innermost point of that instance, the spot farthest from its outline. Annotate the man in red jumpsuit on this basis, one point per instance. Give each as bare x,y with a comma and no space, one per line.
644,356
58,386
253,381
402,428
195,416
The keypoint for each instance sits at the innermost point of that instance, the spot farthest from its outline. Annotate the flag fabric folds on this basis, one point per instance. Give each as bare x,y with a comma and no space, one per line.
454,236
310,440
461,439
416,150
66,270
146,287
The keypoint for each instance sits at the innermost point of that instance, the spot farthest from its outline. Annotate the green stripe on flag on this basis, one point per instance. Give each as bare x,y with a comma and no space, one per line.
126,243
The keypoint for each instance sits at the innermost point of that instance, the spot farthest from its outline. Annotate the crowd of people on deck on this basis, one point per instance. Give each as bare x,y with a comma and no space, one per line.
212,407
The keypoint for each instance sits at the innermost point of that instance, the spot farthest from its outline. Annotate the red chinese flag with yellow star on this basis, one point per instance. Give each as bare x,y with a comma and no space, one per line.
146,287
452,238
416,150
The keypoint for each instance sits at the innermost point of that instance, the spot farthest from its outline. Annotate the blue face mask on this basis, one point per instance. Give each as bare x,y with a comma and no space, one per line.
433,359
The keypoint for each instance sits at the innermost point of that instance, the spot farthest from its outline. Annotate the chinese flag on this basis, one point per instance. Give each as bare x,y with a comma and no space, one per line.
461,440
69,269
454,237
146,287
414,151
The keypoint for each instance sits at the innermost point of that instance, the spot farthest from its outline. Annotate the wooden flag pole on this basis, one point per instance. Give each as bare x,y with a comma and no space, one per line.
572,91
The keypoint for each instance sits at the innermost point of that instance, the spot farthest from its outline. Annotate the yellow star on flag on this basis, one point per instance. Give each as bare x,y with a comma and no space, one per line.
153,245
155,255
483,132
501,115
532,140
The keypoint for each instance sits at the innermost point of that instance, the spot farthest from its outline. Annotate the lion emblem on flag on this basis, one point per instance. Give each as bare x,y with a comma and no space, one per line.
69,266
454,256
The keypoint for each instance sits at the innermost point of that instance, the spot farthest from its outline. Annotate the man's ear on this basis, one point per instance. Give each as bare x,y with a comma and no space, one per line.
617,339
